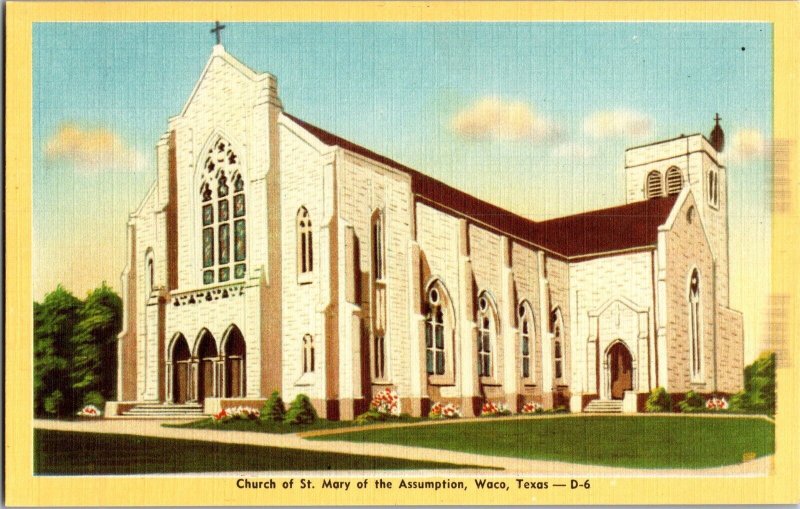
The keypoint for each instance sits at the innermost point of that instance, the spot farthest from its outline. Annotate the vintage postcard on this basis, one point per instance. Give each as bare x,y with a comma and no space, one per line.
401,253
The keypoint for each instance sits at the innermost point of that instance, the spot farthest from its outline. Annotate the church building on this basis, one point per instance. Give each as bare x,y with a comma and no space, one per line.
270,254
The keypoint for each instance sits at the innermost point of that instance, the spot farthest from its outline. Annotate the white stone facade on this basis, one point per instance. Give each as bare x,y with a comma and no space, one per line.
358,273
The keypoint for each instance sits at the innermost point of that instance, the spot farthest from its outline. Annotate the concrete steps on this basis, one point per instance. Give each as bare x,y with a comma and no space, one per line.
160,410
604,406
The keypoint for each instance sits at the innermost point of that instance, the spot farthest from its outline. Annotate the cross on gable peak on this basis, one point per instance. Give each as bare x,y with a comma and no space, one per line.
216,31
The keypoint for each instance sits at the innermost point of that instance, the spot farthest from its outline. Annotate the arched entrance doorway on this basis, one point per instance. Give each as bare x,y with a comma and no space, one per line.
620,369
207,356
181,357
234,364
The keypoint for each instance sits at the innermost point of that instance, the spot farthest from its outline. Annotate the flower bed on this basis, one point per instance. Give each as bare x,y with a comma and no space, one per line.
492,409
446,411
89,411
384,406
386,402
531,408
716,404
237,412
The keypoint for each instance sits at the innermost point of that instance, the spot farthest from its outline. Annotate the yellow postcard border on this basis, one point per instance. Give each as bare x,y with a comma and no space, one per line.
22,488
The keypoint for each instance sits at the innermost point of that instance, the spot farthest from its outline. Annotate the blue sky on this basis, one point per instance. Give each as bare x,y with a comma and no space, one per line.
407,90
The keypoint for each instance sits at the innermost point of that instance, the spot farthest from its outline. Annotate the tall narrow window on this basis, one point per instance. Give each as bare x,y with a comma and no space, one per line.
486,336
308,353
674,181
435,346
380,356
150,274
526,342
305,253
713,187
696,353
653,186
221,165
558,354
378,255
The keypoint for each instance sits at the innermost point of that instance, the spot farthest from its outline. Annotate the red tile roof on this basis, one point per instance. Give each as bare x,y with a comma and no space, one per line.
582,235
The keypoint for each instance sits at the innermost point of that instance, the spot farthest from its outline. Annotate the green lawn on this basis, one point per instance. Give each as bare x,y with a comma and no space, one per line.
636,441
280,427
70,453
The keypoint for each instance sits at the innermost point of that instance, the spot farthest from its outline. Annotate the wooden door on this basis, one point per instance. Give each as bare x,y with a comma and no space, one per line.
180,382
233,378
206,382
621,370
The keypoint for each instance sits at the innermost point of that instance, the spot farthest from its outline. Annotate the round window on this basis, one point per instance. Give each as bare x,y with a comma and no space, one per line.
433,296
482,304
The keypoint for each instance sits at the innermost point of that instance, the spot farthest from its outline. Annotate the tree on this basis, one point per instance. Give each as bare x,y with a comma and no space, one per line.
94,361
759,387
54,321
75,361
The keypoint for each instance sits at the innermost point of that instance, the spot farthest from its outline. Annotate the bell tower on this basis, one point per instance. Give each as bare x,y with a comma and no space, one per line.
665,168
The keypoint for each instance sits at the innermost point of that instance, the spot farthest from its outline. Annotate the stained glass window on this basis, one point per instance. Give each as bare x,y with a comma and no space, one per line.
239,248
208,247
224,243
222,164
222,191
238,205
208,215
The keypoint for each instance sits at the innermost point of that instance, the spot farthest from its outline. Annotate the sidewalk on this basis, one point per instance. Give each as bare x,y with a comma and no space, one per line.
758,467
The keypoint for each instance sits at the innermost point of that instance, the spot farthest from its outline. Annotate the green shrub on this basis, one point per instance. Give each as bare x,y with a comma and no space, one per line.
94,398
301,411
658,401
759,387
274,409
693,402
372,415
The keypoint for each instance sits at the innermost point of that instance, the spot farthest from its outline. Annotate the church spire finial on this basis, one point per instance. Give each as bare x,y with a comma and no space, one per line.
717,137
216,31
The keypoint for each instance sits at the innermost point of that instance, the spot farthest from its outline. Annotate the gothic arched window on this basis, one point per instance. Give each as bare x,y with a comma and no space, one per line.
438,332
487,335
674,181
150,273
527,342
305,249
308,353
695,329
221,167
558,354
653,186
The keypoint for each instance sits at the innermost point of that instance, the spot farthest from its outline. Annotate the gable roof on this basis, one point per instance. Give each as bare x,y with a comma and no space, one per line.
625,227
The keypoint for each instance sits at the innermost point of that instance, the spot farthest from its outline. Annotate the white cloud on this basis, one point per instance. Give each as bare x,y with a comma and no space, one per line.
617,123
494,118
92,148
748,144
572,149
